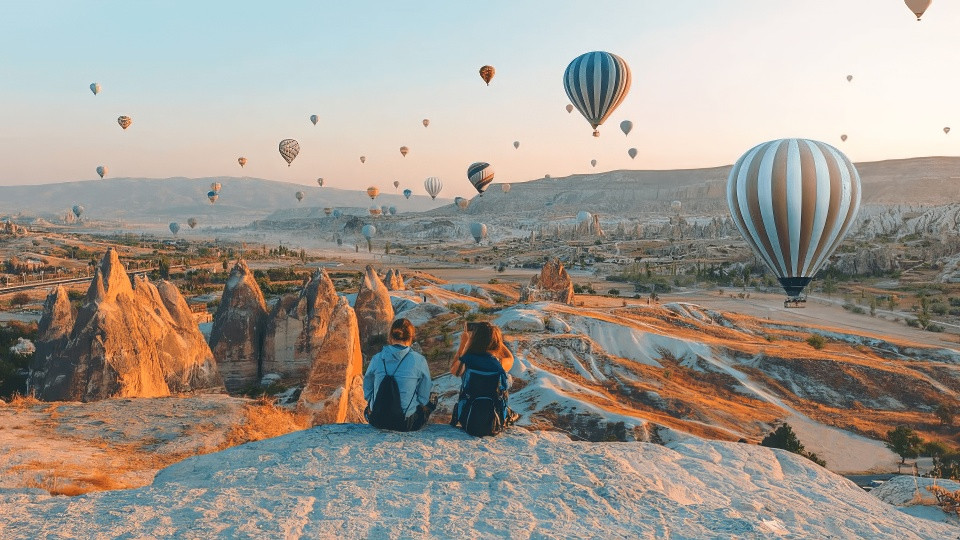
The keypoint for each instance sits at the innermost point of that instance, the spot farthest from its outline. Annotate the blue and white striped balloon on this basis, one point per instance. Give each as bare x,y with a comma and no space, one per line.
596,83
480,175
793,201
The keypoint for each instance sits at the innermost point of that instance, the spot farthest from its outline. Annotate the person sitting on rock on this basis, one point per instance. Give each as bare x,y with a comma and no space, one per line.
397,383
482,362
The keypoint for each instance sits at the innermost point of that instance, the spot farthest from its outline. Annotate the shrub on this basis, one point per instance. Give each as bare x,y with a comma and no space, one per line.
784,438
459,308
614,292
816,341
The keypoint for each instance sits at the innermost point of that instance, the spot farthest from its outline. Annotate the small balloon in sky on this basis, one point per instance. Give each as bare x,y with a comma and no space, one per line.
593,163
124,121
632,153
95,88
626,126
849,78
102,170
946,130
486,73
516,144
242,161
314,118
289,148
404,150
426,122
918,7
843,137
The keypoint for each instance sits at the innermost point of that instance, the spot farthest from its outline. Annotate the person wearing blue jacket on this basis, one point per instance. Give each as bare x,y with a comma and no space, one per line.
409,368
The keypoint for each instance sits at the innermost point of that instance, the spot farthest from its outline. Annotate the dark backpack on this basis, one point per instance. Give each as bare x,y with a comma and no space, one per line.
387,411
481,409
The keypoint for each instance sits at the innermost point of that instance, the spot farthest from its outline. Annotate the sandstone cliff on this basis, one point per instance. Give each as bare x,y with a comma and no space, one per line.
374,312
394,280
552,285
238,329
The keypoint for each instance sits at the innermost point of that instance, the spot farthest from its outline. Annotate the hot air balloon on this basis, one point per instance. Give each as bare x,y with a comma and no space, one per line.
242,161
124,121
95,88
632,153
626,126
946,130
486,73
433,185
569,108
426,122
593,163
461,202
314,118
384,210
368,231
676,206
583,215
320,182
396,183
843,138
478,231
918,7
392,210
407,193
328,210
174,227
793,201
480,175
404,150
372,192
213,196
849,78
596,83
102,170
547,176
215,186
375,210
363,159
77,210
505,188
337,212
289,149
299,195
516,144
192,222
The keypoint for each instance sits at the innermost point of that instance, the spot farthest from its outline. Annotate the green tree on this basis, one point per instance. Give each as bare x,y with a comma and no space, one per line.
873,306
945,413
784,438
904,442
829,285
20,299
163,267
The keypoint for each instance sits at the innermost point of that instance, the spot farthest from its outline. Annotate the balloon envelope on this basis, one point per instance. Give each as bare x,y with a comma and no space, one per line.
480,175
375,210
213,196
102,170
124,121
946,130
478,231
426,122
328,210
174,227
843,138
626,126
192,222
505,188
337,212
569,108
918,7
242,161
583,215
392,210
632,153
289,148
215,186
593,163
363,159
368,231
516,144
95,88
372,192
461,202
676,206
404,150
596,83
77,210
320,182
407,193
314,118
793,200
486,73
433,185
299,195
396,183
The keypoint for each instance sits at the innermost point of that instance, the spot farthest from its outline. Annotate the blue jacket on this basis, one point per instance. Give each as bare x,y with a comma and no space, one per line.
485,362
413,376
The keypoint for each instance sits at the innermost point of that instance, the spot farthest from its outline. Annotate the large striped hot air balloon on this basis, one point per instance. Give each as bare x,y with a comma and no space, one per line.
480,175
596,83
793,201
433,185
289,148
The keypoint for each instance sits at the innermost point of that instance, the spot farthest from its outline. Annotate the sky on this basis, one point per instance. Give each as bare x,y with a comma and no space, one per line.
207,82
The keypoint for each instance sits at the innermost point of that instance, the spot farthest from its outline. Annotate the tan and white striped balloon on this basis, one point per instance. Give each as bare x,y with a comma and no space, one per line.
793,201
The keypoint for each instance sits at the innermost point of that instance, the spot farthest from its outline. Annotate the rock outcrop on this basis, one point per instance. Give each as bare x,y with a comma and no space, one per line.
334,389
394,280
128,340
238,331
552,285
374,312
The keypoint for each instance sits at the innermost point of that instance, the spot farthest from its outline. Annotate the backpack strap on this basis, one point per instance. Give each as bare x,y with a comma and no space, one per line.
402,358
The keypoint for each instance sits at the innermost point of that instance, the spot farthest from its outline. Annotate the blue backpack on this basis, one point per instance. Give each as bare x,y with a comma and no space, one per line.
482,407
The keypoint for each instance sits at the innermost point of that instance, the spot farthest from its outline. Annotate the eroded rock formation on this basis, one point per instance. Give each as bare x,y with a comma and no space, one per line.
374,312
552,285
394,280
238,331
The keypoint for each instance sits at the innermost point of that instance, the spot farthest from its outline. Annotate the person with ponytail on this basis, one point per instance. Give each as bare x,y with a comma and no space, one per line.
397,383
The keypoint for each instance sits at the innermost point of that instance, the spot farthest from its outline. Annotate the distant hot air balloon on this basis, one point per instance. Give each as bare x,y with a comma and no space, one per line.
632,153
174,227
626,126
95,88
328,210
426,122
516,144
849,78
337,212
918,7
583,215
314,118
215,186
593,163
363,159
480,175
289,148
478,231
384,210
375,210
320,182
676,206
213,196
192,222
946,130
372,192
392,210
124,121
242,161
396,183
843,138
368,231
407,193
102,170
77,210
486,73
547,176
433,185
404,150
505,188
596,83
461,202
299,195
793,201
569,108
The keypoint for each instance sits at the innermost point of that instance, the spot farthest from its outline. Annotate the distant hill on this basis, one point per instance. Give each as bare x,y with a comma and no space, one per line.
149,200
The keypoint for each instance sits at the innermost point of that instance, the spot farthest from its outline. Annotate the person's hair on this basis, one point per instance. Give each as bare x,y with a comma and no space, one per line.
402,331
485,338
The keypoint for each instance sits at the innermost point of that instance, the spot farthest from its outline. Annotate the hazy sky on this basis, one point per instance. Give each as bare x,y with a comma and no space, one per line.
206,82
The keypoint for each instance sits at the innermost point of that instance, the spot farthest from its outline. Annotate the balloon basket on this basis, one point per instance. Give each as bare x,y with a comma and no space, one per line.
795,302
